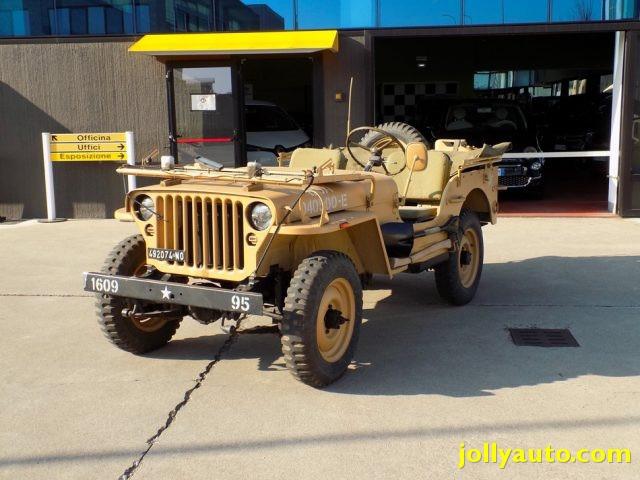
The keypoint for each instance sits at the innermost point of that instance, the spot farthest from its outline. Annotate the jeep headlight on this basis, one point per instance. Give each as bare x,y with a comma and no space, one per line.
535,166
144,207
260,216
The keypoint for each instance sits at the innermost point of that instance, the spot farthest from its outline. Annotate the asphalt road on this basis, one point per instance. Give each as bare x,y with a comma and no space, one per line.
427,377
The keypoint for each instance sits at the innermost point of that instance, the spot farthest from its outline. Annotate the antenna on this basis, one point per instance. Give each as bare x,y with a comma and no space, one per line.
349,107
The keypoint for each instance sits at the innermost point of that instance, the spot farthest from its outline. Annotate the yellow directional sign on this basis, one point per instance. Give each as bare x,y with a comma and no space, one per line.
89,147
87,137
89,157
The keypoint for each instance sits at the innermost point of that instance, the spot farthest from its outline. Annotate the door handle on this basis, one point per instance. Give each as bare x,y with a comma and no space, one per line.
634,130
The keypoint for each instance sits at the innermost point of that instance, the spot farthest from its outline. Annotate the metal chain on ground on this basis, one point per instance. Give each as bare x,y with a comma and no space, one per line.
233,336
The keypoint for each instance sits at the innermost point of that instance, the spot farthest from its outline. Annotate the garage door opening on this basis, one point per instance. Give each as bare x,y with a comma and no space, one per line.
278,106
550,95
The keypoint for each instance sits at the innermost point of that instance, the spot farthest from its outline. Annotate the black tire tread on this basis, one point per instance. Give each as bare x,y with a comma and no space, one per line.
116,328
446,274
402,131
297,350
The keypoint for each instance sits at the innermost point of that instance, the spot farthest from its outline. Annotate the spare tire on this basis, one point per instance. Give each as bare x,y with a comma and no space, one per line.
402,131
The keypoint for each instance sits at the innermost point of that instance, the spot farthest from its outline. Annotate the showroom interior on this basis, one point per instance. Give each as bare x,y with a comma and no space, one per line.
557,87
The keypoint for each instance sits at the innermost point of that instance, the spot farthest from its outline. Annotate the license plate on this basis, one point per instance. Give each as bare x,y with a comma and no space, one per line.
165,254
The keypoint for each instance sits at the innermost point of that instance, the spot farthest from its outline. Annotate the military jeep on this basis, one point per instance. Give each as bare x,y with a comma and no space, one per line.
298,243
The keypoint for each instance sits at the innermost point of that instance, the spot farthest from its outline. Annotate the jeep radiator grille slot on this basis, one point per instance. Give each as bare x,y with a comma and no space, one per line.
210,230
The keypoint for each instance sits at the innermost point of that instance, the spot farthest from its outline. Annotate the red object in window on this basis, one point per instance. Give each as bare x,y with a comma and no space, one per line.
206,140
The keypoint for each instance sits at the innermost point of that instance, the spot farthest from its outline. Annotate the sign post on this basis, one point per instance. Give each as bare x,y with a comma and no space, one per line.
48,179
83,147
131,160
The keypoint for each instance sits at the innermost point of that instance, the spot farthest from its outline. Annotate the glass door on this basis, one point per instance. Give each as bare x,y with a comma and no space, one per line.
205,118
630,138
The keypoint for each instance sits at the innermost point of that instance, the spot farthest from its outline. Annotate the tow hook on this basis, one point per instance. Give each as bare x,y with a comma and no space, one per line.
138,315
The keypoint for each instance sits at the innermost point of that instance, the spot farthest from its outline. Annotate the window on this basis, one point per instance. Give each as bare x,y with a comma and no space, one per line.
606,83
336,14
541,92
268,118
14,23
406,13
481,80
94,17
234,15
492,80
272,14
19,18
620,9
577,10
500,80
143,19
478,12
578,87
486,115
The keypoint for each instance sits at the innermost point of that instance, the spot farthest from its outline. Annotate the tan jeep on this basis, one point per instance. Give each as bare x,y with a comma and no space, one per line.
297,243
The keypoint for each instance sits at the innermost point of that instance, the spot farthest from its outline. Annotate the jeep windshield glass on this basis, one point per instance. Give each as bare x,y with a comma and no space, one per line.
265,118
470,116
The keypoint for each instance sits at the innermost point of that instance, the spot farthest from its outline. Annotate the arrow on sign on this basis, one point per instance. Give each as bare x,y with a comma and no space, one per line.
87,147
88,157
54,138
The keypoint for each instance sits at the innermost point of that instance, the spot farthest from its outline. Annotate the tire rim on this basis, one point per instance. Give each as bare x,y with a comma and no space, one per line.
469,257
335,320
148,325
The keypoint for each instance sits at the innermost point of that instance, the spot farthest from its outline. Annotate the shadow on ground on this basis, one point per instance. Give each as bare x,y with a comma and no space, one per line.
412,343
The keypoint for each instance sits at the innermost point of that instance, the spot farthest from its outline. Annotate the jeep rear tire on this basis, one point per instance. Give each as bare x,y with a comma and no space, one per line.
128,258
457,278
402,131
322,318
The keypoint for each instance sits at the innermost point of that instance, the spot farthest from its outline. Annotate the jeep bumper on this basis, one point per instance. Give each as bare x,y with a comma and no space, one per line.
173,293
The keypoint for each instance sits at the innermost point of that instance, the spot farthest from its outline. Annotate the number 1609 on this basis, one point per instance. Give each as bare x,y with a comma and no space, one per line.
104,285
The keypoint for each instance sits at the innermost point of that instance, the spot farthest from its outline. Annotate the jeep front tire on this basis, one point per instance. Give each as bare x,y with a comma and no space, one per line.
136,336
322,318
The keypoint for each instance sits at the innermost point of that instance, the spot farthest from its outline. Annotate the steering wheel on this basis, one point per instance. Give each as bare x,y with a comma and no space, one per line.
376,159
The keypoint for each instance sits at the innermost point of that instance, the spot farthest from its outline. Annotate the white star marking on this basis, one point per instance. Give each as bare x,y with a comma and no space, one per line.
166,293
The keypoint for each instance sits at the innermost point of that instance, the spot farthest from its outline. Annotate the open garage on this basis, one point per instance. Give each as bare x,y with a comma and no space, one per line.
548,94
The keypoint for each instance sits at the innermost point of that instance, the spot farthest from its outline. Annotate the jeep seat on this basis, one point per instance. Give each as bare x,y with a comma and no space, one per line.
418,213
308,158
425,176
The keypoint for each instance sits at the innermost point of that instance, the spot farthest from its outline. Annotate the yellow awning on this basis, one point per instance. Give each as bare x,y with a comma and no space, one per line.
169,44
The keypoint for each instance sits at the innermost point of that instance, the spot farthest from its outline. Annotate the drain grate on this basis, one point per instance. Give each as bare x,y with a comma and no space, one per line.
543,337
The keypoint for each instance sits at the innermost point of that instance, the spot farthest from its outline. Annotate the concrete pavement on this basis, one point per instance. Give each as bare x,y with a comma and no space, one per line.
426,378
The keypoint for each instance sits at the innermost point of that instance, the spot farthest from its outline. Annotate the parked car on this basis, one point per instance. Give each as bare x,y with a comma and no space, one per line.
578,123
492,121
271,131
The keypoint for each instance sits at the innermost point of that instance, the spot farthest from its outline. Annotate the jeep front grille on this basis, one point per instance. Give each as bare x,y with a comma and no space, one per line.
209,229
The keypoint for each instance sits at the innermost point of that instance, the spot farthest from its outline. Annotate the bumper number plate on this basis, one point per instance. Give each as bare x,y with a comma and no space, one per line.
165,254
160,292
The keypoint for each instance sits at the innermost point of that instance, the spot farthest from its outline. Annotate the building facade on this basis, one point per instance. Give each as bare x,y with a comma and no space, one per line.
65,66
